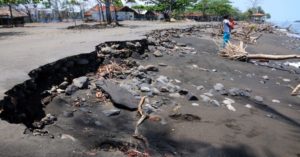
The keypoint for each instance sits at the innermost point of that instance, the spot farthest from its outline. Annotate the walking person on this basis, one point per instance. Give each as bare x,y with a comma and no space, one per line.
226,31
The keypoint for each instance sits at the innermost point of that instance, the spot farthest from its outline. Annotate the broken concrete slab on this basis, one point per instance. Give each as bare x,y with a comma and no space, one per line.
121,97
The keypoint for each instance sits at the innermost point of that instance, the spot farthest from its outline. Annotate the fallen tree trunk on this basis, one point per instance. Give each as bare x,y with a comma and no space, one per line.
296,90
238,52
272,57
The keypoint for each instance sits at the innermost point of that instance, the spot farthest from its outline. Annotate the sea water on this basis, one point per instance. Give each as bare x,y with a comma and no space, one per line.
295,27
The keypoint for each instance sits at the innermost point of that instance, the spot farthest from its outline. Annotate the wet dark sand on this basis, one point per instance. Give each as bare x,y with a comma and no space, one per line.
267,129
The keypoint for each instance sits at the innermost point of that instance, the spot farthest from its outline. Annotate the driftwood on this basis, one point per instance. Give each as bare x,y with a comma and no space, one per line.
238,52
296,90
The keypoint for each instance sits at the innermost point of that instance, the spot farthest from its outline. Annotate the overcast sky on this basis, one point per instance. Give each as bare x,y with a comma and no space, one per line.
280,10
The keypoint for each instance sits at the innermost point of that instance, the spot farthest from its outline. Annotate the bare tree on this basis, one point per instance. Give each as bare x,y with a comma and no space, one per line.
254,3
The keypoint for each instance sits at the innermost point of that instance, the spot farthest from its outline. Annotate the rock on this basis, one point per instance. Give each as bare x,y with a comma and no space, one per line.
151,68
111,112
191,97
265,77
234,91
205,98
151,48
81,82
228,103
162,64
259,99
214,70
175,95
157,53
68,114
71,89
106,50
98,123
155,91
219,87
215,103
200,87
145,89
177,81
164,89
46,100
181,44
275,101
63,85
195,104
162,79
208,94
60,90
248,106
183,92
119,96
286,80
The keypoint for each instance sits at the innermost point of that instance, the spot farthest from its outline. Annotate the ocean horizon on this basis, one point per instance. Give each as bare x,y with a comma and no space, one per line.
295,26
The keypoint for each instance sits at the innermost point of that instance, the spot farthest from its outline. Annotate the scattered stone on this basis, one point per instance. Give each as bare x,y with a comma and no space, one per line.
228,103
177,81
259,99
234,91
155,91
200,87
60,90
205,98
248,106
63,85
275,101
219,87
262,82
157,53
151,68
214,70
191,97
145,88
111,112
162,64
265,77
71,89
81,82
208,94
98,123
119,96
68,114
195,104
286,80
162,79
175,95
46,100
183,92
215,103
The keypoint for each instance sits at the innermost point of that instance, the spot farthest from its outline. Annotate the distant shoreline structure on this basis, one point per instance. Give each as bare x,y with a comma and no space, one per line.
298,21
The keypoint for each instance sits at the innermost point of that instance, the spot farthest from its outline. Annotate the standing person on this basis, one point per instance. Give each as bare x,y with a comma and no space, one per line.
226,31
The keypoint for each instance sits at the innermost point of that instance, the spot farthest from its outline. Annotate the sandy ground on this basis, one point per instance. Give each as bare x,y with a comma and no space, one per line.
267,129
24,49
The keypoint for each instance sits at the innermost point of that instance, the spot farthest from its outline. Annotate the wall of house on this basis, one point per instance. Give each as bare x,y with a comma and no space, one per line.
121,15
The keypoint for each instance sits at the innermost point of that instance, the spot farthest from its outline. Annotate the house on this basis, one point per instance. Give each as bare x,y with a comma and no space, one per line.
258,17
98,13
18,17
194,16
153,15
